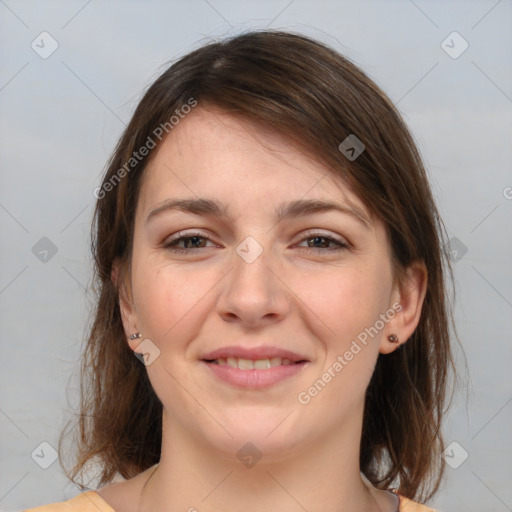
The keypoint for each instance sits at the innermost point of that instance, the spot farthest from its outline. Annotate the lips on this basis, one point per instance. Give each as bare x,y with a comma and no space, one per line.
254,368
265,357
249,364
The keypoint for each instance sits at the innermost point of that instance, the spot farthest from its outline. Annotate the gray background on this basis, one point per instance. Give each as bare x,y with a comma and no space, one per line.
61,117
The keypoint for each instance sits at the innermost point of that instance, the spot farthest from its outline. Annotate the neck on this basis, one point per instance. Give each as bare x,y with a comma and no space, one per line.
323,476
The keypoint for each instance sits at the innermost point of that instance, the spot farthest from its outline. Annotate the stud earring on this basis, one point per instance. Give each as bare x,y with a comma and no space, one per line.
393,338
136,336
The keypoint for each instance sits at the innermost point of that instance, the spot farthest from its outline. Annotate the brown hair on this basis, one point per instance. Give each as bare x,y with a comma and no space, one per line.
317,98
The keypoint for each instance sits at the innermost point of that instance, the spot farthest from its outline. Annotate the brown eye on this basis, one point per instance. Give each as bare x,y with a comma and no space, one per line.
319,241
186,243
193,242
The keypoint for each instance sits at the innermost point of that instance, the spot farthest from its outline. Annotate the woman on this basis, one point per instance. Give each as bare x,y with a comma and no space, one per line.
267,245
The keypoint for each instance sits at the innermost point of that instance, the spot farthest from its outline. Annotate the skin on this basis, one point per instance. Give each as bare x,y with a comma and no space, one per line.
312,300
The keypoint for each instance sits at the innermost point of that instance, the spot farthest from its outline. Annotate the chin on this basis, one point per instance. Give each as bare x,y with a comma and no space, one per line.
257,433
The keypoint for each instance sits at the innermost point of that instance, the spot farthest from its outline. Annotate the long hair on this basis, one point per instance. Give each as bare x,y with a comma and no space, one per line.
317,98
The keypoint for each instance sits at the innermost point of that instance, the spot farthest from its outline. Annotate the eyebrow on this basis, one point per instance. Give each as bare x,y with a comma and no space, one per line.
197,206
309,206
301,207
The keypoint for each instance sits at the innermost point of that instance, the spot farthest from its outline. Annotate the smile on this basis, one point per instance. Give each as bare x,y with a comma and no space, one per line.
253,368
249,364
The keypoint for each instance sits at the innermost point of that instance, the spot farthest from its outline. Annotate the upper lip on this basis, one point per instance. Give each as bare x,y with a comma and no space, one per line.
255,353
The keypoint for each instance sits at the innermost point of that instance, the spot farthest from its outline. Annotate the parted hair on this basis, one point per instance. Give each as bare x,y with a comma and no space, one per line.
316,97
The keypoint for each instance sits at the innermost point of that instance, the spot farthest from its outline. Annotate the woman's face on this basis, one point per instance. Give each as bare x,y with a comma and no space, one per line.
249,253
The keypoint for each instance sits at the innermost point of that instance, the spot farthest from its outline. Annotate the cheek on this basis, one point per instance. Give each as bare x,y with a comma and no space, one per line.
160,298
172,302
346,301
350,305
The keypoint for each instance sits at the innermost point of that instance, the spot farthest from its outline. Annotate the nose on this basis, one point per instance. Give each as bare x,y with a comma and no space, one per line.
254,294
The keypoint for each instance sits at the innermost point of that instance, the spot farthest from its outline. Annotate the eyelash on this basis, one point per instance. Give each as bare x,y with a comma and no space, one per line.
340,245
169,245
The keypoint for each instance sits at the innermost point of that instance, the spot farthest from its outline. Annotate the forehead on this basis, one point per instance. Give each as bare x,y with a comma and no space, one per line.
212,153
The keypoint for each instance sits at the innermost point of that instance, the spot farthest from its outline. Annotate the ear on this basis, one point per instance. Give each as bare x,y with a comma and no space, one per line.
126,306
410,294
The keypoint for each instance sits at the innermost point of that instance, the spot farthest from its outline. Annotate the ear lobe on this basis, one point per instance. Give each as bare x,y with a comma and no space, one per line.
126,307
411,295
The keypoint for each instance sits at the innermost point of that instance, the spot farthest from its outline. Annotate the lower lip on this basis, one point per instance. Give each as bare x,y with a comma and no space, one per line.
254,379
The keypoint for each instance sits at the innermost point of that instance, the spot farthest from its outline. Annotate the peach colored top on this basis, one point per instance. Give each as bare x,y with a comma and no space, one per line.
92,502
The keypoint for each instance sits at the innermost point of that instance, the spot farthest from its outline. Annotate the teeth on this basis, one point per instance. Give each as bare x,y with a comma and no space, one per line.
249,364
275,361
245,364
262,364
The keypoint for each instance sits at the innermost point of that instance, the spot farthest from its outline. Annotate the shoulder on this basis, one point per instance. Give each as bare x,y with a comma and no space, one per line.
86,502
407,505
